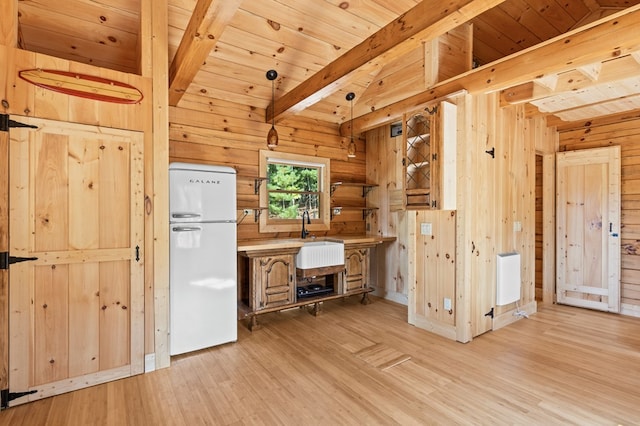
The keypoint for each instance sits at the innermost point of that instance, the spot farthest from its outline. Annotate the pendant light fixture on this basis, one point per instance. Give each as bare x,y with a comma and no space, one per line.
351,149
272,136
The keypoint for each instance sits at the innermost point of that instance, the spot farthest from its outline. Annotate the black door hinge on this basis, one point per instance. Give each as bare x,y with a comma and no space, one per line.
489,314
6,123
10,396
6,260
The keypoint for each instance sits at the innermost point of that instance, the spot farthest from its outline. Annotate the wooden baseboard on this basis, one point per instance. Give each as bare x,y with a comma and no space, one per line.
510,317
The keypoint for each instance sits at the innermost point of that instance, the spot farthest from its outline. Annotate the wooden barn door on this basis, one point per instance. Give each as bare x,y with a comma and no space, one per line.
588,219
76,204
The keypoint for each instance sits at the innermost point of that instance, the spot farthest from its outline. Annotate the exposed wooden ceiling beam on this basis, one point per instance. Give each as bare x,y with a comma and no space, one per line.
592,71
563,126
571,81
208,21
598,108
425,21
610,37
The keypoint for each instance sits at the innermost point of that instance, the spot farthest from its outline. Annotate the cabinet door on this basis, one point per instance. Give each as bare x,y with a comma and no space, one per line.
430,158
356,269
276,281
418,162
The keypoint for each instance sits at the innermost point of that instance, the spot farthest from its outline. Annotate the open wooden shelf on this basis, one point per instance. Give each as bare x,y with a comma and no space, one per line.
366,187
336,210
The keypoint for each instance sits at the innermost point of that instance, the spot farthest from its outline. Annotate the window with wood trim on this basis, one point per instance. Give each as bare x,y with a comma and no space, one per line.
294,184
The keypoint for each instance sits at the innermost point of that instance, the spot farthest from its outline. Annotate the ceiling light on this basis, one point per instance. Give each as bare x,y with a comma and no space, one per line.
351,149
272,136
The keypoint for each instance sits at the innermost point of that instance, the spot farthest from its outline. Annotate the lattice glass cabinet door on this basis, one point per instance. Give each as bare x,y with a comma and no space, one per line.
419,160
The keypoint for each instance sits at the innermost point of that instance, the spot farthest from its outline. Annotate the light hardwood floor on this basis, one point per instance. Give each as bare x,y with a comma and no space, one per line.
563,365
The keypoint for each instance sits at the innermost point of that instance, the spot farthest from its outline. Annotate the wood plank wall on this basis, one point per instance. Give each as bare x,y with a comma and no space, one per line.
225,133
493,193
539,228
384,166
499,199
28,100
626,133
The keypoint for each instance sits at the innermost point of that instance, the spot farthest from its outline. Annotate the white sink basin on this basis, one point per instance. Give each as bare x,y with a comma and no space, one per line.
318,254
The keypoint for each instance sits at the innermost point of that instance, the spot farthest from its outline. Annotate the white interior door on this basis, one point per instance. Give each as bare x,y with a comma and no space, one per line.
588,228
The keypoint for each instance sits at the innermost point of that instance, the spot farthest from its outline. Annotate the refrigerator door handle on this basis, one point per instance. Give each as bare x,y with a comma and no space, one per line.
186,228
184,215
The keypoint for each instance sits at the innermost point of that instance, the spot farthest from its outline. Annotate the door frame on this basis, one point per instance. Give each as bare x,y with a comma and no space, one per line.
613,190
4,273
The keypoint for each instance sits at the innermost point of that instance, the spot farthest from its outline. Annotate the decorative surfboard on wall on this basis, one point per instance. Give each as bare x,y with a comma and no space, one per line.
83,85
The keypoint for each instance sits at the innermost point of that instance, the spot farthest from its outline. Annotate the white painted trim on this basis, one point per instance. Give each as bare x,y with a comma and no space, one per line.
149,362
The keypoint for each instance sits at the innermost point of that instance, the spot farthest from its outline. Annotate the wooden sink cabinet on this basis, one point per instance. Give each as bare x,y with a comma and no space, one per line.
356,274
268,277
273,277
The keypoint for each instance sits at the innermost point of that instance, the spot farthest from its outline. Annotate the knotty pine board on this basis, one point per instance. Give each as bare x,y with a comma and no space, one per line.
627,135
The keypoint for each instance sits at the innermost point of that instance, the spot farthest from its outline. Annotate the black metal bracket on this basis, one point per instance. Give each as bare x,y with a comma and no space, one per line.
431,111
491,152
6,260
6,123
489,314
257,182
10,396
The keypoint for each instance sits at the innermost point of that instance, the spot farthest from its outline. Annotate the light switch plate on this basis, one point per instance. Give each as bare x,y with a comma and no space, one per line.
447,304
425,229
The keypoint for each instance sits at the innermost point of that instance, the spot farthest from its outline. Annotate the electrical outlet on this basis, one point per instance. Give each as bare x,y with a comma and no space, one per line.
447,304
247,211
517,226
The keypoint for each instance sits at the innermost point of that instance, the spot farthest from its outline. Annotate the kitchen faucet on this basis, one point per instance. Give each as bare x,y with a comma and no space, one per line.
304,231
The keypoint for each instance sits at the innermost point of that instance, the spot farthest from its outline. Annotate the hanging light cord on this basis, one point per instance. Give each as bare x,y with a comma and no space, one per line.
351,149
351,124
273,104
272,136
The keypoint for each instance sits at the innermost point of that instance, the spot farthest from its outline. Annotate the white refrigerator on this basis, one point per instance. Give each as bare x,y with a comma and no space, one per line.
202,256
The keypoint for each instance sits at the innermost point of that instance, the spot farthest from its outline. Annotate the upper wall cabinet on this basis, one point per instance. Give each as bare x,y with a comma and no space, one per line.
429,158
419,158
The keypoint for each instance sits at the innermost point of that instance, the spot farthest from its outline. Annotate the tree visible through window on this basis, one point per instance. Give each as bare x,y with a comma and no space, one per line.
292,190
294,184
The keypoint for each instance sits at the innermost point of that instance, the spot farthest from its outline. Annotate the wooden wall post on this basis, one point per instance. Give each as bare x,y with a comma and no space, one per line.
9,23
8,37
547,145
154,64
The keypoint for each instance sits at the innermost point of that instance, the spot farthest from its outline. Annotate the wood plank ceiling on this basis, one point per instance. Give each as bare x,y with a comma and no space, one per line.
314,44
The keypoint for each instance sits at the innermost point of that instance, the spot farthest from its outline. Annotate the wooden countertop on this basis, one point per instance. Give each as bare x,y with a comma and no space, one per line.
287,243
357,239
272,244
